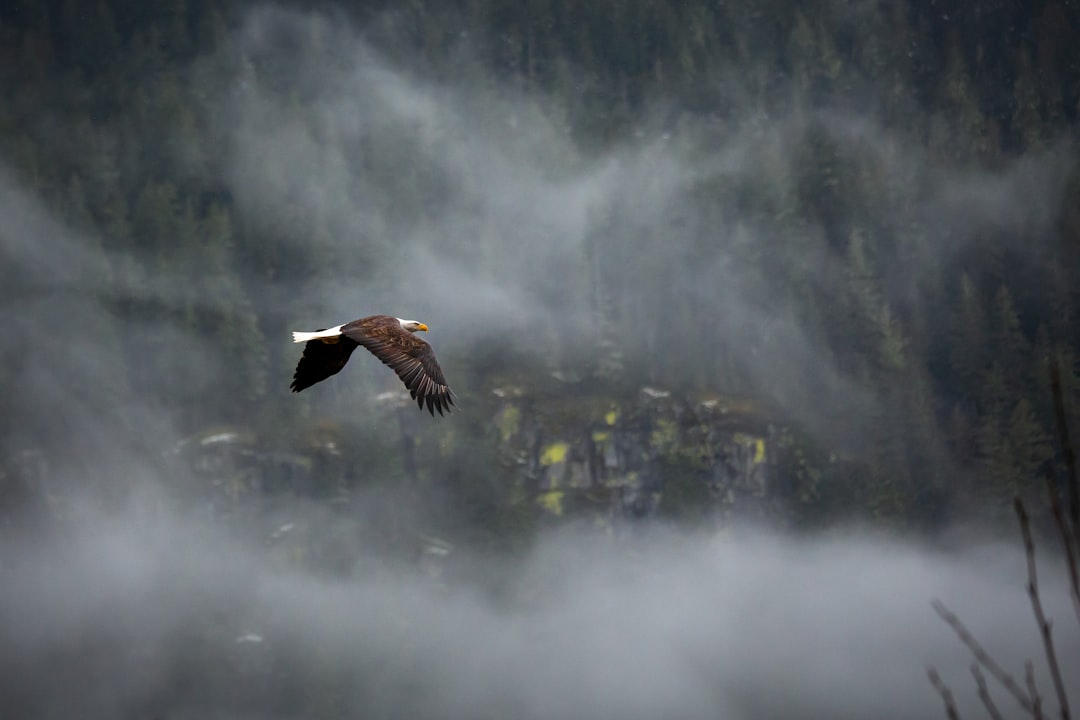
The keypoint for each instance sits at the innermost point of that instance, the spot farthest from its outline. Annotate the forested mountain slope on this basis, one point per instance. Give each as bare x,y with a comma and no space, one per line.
865,215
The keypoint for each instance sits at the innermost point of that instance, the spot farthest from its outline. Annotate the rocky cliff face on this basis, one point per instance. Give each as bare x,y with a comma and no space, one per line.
652,454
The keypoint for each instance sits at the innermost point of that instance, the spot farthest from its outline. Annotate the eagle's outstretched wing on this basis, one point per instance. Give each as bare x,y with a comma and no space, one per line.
410,357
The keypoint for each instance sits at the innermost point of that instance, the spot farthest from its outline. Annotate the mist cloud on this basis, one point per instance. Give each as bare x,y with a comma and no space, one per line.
747,625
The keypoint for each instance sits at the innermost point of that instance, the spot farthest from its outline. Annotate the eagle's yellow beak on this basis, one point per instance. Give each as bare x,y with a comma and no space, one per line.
421,326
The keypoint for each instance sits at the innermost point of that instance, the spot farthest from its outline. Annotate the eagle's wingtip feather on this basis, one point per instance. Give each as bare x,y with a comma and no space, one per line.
301,337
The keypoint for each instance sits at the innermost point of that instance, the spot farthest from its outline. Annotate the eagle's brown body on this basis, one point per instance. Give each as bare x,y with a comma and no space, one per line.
388,338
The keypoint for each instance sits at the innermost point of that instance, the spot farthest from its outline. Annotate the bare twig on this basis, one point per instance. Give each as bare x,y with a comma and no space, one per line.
983,657
1068,540
1066,444
944,692
1033,691
1067,528
1037,608
984,693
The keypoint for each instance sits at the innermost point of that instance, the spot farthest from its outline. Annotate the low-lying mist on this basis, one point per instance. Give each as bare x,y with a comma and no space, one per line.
153,613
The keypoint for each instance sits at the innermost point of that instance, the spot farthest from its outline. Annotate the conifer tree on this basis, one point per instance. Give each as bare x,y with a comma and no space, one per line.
1011,348
1026,119
969,354
962,130
234,322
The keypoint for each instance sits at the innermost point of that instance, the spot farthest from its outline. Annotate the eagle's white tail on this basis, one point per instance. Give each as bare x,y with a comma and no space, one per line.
301,337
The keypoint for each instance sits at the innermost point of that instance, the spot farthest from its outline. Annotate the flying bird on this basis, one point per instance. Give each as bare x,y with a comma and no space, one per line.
390,339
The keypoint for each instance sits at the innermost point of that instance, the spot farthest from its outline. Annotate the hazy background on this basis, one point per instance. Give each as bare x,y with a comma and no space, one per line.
863,217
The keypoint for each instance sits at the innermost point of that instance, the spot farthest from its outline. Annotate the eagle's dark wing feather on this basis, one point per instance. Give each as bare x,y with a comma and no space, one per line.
411,358
320,360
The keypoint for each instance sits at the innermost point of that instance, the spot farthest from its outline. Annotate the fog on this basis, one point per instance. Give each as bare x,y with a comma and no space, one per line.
745,625
138,605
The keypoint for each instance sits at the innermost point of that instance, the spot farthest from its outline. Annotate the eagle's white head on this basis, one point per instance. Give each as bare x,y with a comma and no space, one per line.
412,325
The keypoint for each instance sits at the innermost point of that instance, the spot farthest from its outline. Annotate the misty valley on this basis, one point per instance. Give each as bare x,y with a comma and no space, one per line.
757,329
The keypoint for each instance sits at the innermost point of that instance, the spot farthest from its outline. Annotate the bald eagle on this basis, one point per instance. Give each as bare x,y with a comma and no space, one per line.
390,339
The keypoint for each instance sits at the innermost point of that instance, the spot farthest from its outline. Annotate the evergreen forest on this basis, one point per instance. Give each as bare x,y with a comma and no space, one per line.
809,263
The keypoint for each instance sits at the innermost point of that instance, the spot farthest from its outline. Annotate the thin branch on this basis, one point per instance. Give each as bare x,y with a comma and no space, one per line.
1029,676
983,657
944,692
1037,608
1066,443
984,693
1068,540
